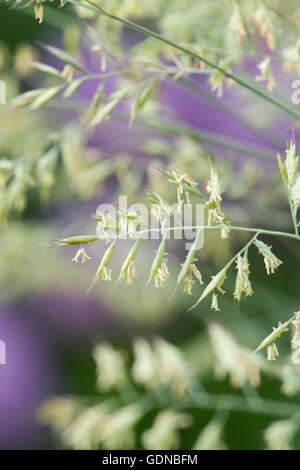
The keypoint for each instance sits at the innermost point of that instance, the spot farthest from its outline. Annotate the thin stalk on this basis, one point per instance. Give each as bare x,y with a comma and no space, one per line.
150,33
226,267
257,231
251,405
221,401
223,107
267,232
242,250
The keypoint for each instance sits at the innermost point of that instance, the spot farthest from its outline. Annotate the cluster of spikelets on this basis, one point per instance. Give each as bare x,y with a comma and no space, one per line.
266,20
269,341
130,224
290,173
244,23
244,20
159,380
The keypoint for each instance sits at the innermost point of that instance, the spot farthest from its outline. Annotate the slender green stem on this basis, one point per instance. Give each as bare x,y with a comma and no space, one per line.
104,74
242,250
257,231
53,18
220,401
251,405
150,33
226,108
267,232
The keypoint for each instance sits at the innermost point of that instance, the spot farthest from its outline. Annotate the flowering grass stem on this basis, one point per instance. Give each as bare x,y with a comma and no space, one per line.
251,404
267,97
257,231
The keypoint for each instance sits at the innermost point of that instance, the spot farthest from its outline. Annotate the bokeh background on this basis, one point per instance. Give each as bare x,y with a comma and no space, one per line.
49,323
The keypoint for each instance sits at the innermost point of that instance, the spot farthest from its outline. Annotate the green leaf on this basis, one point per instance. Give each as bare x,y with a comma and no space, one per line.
46,95
48,70
214,283
187,264
105,111
118,94
64,57
140,98
130,257
96,99
275,334
282,169
105,259
157,260
146,93
73,87
24,99
77,240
